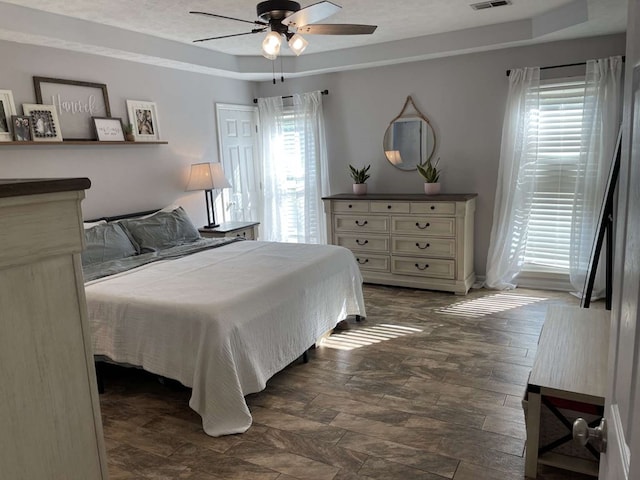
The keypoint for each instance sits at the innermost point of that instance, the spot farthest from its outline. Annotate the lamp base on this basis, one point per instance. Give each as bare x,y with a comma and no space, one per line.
211,226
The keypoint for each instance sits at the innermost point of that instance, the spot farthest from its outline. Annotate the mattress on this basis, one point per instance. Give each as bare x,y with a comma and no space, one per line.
223,321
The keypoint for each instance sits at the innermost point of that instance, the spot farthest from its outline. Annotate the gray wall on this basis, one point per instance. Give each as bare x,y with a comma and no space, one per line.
124,178
464,98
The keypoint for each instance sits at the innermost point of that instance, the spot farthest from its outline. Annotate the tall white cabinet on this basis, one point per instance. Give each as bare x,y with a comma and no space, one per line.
408,240
50,425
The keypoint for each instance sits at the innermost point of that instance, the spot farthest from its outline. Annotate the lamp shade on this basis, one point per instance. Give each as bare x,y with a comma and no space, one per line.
297,44
271,45
393,156
206,176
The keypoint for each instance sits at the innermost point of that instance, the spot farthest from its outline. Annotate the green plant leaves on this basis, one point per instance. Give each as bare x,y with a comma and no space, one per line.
359,175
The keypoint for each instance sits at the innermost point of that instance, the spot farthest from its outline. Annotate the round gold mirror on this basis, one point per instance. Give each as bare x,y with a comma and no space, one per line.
409,139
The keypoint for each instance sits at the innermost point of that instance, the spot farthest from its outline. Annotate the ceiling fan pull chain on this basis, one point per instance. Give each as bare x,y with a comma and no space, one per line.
273,70
281,71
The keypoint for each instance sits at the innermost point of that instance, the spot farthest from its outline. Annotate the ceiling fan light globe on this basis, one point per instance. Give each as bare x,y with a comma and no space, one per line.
271,45
297,44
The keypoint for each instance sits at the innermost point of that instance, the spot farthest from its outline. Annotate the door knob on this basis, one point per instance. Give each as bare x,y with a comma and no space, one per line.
583,434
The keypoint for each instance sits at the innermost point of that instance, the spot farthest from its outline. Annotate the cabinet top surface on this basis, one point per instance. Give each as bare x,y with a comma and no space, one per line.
230,227
16,187
412,197
573,351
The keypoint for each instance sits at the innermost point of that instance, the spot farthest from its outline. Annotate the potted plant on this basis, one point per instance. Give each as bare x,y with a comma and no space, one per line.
359,176
127,128
431,175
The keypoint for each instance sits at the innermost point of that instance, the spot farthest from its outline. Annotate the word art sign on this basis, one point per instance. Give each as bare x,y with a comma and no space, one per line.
76,103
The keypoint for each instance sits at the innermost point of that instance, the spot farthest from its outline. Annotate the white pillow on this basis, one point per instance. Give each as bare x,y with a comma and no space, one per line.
167,209
88,225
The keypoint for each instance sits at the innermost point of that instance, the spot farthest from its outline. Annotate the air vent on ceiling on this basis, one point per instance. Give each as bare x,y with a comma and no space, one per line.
492,4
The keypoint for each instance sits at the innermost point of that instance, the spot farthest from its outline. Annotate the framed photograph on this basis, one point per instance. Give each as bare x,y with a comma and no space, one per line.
108,129
144,118
44,122
21,126
7,110
76,103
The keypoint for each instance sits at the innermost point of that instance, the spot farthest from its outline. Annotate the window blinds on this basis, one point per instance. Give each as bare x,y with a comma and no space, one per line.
294,194
554,165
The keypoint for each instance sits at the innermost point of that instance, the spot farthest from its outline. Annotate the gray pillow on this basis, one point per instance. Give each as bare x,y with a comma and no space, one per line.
162,230
107,241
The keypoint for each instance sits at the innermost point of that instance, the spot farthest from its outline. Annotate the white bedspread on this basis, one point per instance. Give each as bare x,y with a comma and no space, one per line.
225,320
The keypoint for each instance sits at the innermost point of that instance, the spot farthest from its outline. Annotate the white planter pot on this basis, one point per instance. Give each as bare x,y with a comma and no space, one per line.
360,188
431,188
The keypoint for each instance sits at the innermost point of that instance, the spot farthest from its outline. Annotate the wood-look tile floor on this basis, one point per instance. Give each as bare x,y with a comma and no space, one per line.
428,387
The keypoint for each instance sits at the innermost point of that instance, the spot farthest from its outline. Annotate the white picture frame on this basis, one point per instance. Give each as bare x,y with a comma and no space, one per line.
143,116
44,121
7,110
108,129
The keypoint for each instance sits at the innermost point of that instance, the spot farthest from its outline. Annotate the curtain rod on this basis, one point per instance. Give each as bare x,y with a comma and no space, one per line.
323,92
562,66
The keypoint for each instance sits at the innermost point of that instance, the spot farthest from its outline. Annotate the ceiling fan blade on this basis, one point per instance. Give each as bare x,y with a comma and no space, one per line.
255,30
337,29
254,22
311,14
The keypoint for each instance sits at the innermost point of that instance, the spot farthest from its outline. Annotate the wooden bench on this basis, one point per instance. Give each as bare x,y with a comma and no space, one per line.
569,371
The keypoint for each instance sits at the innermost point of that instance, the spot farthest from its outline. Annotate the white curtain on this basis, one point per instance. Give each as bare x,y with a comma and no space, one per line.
600,125
294,169
516,185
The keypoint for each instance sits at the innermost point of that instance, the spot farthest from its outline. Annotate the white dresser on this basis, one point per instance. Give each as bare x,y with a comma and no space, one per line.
50,425
408,240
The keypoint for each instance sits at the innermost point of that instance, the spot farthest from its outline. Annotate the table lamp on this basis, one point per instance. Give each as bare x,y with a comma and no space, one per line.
207,177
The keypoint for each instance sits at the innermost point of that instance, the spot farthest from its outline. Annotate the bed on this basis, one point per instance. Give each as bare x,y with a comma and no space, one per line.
218,315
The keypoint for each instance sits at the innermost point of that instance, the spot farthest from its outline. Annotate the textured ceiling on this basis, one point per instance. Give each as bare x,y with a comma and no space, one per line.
435,27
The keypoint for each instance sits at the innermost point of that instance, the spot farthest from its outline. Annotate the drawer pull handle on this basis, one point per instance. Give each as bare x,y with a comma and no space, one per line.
433,207
243,234
366,260
350,206
389,207
426,265
425,225
426,245
361,224
361,243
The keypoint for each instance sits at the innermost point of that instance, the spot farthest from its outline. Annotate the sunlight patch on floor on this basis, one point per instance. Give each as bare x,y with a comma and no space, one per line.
479,307
363,337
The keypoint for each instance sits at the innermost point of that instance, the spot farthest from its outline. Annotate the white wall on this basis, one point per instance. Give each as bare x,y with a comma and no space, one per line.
124,178
464,98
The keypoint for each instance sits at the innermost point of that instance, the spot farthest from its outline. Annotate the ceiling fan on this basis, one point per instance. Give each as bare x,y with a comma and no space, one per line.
286,18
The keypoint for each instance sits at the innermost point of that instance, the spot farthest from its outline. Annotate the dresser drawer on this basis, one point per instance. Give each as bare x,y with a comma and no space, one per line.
247,234
432,247
423,267
435,208
344,206
390,207
423,225
364,242
377,263
361,223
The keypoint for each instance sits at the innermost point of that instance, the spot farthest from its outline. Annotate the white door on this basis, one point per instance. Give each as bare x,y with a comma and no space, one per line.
239,155
622,407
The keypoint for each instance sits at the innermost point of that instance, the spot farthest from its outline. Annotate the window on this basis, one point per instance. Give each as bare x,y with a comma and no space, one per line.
554,165
295,218
294,166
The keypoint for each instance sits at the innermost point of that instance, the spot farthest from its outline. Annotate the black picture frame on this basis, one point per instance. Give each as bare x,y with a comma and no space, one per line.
604,234
76,102
22,128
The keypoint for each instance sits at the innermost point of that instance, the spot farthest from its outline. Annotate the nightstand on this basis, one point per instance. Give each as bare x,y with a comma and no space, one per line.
246,230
